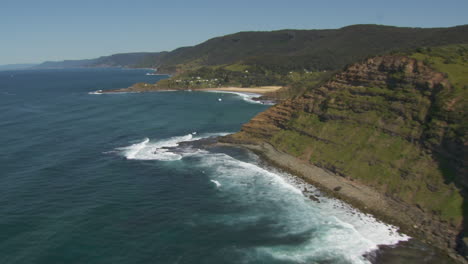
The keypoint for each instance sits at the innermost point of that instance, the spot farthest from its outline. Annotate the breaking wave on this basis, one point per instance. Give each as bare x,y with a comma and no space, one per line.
96,92
248,97
163,150
322,229
216,183
326,229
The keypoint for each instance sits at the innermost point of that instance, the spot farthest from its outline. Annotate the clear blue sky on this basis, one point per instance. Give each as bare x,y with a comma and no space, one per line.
38,30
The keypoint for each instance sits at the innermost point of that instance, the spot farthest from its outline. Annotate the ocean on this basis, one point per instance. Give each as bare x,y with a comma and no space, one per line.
102,178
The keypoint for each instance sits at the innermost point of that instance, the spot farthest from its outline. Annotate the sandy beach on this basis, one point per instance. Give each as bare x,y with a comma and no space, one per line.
151,88
257,90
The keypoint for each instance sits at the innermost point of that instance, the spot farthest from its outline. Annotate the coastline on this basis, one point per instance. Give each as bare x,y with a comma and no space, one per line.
361,197
260,90
255,90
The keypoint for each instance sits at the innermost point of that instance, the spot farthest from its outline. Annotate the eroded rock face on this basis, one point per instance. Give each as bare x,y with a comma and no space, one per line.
464,245
389,122
405,76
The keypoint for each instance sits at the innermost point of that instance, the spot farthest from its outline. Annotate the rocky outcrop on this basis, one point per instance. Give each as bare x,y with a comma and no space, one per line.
141,88
391,123
375,78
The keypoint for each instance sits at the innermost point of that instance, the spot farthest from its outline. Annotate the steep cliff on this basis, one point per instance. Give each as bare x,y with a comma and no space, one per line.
394,123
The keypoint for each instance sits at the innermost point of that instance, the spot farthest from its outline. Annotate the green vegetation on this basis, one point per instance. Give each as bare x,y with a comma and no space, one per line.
401,128
450,107
396,123
390,164
452,59
298,59
313,50
297,83
221,76
239,75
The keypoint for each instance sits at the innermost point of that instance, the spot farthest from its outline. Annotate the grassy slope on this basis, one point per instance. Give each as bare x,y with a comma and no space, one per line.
358,147
377,159
452,60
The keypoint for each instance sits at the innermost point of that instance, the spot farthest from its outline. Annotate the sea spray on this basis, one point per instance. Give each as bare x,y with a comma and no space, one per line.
246,96
161,149
62,198
323,230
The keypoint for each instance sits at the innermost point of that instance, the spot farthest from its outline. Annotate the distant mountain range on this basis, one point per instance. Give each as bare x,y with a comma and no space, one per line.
314,50
125,60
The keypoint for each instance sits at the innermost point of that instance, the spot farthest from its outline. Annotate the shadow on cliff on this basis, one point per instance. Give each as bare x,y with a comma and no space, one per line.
462,238
454,171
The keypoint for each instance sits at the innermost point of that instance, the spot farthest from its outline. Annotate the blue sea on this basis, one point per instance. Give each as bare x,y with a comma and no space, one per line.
104,178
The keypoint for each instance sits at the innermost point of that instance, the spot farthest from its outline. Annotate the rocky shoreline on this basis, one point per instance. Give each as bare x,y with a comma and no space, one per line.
363,198
381,136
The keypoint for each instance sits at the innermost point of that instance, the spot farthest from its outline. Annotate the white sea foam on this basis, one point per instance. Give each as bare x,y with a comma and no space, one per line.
133,150
208,135
248,97
147,150
101,92
96,92
158,150
216,183
328,229
337,231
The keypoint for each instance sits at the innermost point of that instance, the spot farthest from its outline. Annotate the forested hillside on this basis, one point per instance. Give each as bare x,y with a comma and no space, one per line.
397,123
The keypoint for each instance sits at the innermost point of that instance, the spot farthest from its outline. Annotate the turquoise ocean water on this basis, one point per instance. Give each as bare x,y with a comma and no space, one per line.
88,178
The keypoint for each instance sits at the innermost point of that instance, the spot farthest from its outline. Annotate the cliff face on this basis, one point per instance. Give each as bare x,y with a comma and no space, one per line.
390,122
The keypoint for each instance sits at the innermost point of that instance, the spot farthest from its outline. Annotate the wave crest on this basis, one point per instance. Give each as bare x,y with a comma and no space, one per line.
163,150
